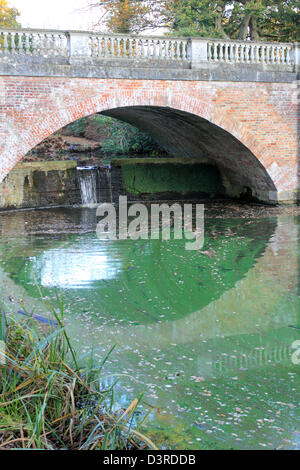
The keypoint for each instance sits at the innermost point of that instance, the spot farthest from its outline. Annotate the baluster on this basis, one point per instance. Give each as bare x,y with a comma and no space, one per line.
12,43
252,53
171,50
142,48
43,43
242,56
61,45
52,45
135,48
288,55
33,44
95,46
182,53
55,44
111,47
272,58
21,43
235,53
222,52
248,53
215,51
209,57
39,43
104,46
256,55
245,53
154,51
160,48
123,52
164,54
176,52
238,53
226,52
130,48
188,54
5,42
268,54
92,46
231,52
118,47
280,57
125,47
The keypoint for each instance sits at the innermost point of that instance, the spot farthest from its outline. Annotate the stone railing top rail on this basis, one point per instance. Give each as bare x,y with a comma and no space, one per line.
98,45
139,36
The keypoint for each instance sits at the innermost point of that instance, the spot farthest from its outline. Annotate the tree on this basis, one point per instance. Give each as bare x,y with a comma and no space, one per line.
274,20
8,16
128,16
197,17
247,19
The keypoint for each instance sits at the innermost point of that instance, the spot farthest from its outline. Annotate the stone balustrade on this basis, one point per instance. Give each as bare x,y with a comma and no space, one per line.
247,52
194,52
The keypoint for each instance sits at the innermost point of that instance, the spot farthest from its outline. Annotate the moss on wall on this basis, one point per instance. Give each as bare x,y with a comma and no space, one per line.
38,184
174,178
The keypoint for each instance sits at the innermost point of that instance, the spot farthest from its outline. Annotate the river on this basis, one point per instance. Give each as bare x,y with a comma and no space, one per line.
207,335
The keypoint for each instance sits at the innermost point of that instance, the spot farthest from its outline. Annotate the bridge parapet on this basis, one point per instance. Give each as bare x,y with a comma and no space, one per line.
91,48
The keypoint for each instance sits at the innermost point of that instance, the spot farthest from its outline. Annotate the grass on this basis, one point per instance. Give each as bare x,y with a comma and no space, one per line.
49,401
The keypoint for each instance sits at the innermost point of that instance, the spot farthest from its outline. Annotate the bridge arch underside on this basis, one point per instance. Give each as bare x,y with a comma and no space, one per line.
189,136
248,130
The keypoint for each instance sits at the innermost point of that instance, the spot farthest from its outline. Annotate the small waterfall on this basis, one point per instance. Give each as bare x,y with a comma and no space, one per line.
108,177
89,186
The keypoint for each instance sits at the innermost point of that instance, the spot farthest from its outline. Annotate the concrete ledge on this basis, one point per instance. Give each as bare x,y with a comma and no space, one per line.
143,70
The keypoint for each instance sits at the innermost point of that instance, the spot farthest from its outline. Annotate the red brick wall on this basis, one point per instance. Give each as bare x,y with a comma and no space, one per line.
263,116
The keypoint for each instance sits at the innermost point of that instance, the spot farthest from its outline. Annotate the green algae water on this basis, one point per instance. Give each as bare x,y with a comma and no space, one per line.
208,336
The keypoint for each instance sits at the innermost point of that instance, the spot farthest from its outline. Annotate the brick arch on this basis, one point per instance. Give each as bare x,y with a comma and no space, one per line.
40,106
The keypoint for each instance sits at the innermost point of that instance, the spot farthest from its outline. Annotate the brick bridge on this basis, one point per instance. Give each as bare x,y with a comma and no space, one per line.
235,103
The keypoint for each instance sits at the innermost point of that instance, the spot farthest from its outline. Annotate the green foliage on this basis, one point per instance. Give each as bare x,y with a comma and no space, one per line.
117,137
246,19
249,19
8,16
122,138
77,128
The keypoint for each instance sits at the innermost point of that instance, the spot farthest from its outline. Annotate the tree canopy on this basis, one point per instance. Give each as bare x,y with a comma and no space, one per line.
129,16
248,19
274,20
8,16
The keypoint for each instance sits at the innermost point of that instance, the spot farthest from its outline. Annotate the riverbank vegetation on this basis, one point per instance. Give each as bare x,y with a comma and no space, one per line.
106,136
116,137
49,400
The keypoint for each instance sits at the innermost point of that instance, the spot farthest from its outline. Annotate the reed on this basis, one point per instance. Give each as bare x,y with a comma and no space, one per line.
48,400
